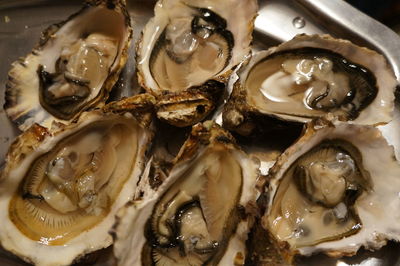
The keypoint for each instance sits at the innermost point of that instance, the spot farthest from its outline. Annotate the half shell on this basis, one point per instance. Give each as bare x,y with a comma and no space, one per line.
310,77
202,212
73,68
187,52
60,190
334,191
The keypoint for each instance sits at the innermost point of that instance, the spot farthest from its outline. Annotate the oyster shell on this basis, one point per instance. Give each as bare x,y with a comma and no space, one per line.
201,213
310,77
187,52
73,68
333,191
60,190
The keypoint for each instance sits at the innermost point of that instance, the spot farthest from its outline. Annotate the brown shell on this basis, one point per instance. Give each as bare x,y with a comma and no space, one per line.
21,77
243,117
194,104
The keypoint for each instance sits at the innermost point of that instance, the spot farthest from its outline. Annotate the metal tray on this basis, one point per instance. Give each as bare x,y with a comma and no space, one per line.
21,23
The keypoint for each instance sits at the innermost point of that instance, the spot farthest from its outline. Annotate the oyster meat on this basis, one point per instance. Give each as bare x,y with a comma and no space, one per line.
187,52
310,77
200,215
73,68
60,190
333,191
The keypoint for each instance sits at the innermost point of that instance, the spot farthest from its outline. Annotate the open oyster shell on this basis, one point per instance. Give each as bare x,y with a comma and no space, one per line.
335,190
200,215
187,52
60,190
310,77
73,68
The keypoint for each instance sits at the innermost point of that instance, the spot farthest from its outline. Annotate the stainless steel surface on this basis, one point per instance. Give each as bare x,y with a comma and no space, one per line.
275,20
346,21
279,20
335,17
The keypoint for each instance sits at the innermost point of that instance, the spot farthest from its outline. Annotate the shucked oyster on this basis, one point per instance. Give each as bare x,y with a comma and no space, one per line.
333,191
187,51
74,66
309,77
199,215
59,191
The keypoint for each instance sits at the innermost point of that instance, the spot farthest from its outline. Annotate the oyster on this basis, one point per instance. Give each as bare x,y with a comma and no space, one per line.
200,215
60,190
310,77
187,52
333,191
73,68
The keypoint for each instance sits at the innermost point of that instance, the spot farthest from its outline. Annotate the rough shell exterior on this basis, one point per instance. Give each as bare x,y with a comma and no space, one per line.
194,104
131,222
239,115
38,140
22,102
376,209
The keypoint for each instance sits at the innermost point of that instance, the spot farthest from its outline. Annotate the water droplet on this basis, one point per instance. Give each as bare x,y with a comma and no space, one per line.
298,22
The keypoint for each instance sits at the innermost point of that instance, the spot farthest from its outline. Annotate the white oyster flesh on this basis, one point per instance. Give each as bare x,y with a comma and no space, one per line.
58,198
84,65
193,219
312,76
188,42
334,191
73,68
